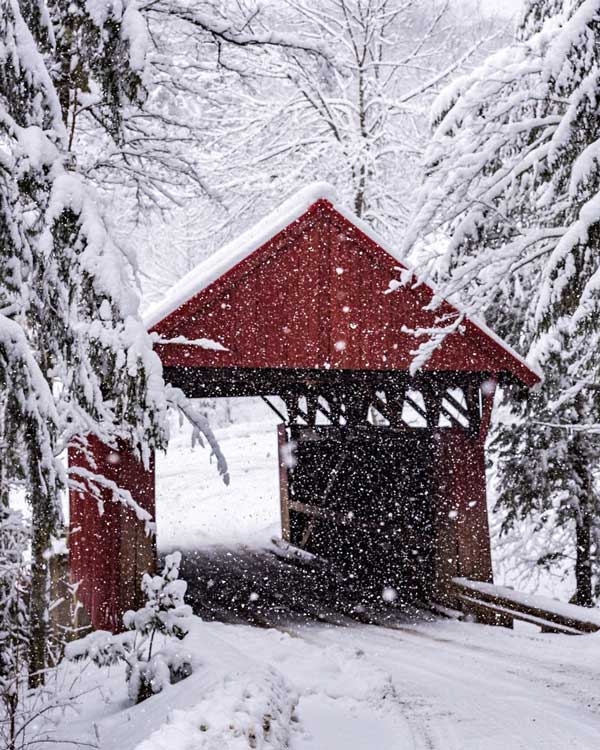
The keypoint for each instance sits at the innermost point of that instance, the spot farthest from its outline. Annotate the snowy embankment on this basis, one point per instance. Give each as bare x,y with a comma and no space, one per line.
450,685
193,506
230,702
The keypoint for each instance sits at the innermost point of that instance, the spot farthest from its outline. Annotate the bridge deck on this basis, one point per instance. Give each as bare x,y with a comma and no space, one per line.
271,588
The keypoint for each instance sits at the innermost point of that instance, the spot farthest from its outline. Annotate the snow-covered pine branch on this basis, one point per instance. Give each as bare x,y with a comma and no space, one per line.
201,428
512,165
14,621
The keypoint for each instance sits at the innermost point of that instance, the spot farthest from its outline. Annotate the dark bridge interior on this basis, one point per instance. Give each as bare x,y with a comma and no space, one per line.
362,500
275,587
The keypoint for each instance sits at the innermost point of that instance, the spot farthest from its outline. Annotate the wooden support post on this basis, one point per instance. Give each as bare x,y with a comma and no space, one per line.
463,540
394,395
432,397
284,498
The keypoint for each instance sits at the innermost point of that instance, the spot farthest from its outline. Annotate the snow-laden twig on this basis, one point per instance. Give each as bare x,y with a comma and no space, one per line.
201,427
94,484
182,340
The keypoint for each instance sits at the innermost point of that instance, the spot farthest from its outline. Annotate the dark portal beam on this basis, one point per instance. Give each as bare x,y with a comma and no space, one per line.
208,382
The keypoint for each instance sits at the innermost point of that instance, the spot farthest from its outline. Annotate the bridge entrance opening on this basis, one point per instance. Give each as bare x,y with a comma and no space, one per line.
370,466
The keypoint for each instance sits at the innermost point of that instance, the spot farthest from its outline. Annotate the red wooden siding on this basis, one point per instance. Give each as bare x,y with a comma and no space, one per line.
313,297
461,519
110,551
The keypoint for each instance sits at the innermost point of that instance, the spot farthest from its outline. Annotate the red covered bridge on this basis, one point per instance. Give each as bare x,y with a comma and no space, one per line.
389,473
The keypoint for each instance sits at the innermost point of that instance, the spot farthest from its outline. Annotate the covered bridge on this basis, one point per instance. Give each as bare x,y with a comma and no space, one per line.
387,470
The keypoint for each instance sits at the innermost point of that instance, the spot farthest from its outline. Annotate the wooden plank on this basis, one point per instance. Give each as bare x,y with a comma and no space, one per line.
315,512
449,612
137,552
288,551
308,531
446,396
68,616
111,550
204,382
537,609
546,625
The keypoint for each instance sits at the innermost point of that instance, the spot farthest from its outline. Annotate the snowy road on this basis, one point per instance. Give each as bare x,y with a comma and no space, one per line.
440,685
455,686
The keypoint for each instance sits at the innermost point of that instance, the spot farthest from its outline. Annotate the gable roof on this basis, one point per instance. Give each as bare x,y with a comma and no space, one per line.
241,306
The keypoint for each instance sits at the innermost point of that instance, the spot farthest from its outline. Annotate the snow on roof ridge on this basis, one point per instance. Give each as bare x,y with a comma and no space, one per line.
236,250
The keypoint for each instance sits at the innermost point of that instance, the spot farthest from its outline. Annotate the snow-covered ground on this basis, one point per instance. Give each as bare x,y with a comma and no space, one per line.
441,685
193,505
438,685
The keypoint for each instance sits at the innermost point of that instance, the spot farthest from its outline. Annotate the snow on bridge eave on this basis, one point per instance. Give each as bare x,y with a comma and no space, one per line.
521,369
293,209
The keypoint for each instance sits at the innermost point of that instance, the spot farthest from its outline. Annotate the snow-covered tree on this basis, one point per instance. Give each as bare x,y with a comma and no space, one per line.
133,79
75,357
150,664
362,117
345,100
29,418
122,132
512,174
151,667
14,630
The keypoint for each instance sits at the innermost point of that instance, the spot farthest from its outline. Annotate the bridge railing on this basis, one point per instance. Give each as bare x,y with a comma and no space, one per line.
502,605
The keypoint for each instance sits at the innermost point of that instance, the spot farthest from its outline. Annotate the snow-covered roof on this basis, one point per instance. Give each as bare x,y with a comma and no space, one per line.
237,250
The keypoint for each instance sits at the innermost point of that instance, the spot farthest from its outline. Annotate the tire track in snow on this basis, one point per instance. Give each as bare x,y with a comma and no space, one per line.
474,687
410,718
436,694
579,674
335,715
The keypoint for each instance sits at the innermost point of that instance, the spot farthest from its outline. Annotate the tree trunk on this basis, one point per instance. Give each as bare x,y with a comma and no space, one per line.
585,504
583,565
42,528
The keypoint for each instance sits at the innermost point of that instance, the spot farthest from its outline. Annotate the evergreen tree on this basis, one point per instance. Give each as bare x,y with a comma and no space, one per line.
97,61
74,356
151,664
28,110
14,630
513,173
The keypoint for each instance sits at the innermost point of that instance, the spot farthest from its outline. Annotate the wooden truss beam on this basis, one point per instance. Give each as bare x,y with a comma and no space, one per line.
343,398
